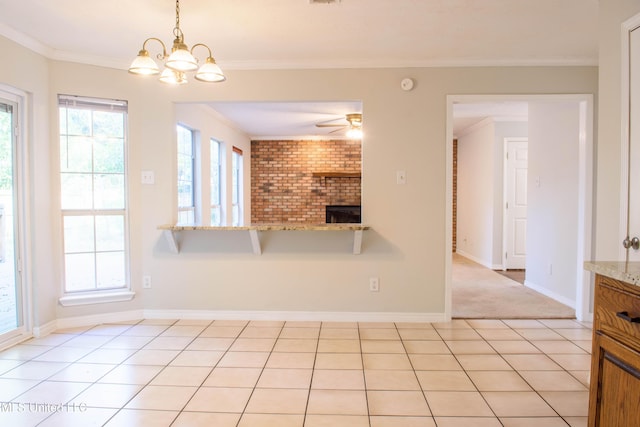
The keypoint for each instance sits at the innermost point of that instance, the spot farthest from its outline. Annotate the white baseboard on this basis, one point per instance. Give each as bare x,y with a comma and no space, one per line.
97,319
46,329
475,259
550,294
322,316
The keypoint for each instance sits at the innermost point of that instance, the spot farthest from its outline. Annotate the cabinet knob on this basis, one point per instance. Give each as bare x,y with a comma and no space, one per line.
631,243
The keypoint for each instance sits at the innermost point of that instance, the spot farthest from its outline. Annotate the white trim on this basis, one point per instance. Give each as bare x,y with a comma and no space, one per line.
585,185
13,339
584,280
478,260
546,292
97,319
22,200
323,316
448,212
625,30
96,297
46,329
123,64
132,315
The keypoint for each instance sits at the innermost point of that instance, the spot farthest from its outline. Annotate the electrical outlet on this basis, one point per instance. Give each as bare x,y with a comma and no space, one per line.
146,282
374,284
148,177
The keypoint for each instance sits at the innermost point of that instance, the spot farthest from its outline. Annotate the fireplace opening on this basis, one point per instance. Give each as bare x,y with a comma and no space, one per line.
343,214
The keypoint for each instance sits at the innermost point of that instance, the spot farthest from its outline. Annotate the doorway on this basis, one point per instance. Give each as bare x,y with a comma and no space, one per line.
577,289
514,228
12,301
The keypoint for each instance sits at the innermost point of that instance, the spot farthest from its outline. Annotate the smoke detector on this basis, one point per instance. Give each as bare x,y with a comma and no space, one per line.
323,1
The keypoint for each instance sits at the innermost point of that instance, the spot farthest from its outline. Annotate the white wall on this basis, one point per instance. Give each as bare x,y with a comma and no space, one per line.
480,190
476,192
298,272
552,204
209,124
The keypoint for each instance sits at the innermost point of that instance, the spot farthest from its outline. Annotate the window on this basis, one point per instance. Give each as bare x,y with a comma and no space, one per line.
93,193
236,195
215,182
186,166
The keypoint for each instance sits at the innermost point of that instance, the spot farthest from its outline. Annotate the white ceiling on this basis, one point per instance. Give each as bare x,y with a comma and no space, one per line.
260,34
282,120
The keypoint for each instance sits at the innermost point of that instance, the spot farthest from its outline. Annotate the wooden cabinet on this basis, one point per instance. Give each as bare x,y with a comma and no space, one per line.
614,399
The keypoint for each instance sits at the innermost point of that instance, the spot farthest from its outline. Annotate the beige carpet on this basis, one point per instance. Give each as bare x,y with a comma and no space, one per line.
480,293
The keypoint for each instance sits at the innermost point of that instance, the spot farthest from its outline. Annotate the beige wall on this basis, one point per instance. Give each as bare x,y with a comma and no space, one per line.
299,272
28,72
607,234
209,124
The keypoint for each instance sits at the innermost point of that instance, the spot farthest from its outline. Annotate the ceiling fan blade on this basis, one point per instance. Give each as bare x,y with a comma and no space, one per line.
337,130
322,125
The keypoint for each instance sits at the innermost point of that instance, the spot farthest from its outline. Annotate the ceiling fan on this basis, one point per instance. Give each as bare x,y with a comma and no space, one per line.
354,125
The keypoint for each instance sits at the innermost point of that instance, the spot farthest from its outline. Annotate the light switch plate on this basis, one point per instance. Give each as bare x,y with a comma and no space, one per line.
148,177
401,177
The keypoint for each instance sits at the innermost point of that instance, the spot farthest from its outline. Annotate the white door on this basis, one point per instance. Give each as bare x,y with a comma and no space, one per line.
632,237
515,229
11,289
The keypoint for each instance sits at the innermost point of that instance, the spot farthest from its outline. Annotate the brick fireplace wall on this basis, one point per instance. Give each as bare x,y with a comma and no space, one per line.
287,181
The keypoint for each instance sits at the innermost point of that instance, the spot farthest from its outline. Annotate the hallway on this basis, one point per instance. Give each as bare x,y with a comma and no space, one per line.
480,293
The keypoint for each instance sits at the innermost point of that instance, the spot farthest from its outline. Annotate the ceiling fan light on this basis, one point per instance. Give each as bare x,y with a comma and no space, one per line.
144,65
173,77
210,72
354,133
181,59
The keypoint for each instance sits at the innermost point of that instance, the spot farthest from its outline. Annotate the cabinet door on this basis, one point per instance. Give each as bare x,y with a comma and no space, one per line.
615,388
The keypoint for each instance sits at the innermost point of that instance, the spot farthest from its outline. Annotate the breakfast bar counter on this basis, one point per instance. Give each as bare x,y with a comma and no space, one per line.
170,232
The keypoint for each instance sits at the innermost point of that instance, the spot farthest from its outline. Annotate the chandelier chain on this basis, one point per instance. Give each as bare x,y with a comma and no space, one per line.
177,31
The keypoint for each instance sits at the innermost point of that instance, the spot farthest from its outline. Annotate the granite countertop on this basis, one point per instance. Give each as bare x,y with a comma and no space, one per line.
628,272
271,227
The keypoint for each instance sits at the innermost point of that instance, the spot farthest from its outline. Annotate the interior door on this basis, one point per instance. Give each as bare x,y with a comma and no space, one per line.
516,164
11,319
631,240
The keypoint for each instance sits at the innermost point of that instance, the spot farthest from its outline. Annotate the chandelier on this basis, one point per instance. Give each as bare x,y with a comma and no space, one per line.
179,62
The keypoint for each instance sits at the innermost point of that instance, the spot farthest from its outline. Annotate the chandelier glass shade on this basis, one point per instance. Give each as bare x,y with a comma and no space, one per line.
178,62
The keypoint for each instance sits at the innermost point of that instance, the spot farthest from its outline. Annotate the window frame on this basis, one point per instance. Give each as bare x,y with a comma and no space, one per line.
96,294
215,145
193,207
237,170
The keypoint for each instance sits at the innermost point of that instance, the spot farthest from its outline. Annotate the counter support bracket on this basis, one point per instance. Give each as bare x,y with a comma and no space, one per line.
255,242
170,236
357,242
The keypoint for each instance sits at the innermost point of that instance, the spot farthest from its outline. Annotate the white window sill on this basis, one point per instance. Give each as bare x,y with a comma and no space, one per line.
96,298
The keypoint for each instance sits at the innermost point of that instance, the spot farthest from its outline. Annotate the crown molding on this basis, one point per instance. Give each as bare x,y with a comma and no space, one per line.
286,64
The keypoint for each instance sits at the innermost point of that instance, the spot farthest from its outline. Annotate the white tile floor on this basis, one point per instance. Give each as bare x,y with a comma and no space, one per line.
482,373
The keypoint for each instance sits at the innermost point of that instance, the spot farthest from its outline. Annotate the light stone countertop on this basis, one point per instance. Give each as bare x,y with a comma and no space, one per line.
270,227
628,272
170,232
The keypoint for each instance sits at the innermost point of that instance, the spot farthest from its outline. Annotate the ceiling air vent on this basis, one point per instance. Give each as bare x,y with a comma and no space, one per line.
324,1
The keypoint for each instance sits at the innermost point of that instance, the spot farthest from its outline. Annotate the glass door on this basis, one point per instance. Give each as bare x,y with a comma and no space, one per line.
11,313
